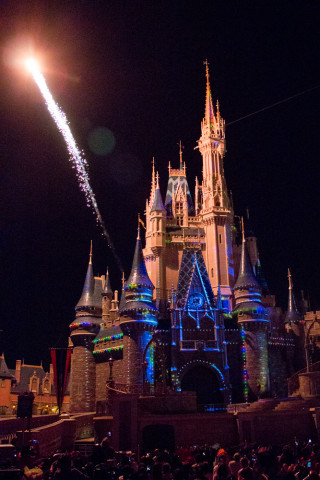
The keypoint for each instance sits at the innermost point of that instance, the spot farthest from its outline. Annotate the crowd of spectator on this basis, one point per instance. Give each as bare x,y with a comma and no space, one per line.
296,461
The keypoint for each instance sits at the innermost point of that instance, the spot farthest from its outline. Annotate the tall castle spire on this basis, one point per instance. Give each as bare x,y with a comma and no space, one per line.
107,286
87,297
139,274
246,277
209,117
292,315
157,201
153,184
215,207
138,317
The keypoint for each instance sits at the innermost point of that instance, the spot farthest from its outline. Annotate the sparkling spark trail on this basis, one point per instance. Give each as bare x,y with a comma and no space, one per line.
76,156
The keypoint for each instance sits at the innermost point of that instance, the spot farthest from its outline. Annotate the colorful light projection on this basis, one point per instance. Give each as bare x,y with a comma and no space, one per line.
76,155
108,350
108,339
244,366
149,374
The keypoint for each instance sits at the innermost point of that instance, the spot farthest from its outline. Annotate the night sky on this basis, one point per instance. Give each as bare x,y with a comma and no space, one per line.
136,68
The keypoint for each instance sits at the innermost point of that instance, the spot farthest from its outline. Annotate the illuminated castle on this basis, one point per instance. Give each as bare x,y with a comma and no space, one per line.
195,312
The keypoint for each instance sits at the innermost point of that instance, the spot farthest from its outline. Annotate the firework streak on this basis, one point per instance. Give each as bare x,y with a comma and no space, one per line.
76,156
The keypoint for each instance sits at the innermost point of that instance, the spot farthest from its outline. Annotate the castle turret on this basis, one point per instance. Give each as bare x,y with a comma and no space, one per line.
216,211
254,324
82,332
138,318
107,295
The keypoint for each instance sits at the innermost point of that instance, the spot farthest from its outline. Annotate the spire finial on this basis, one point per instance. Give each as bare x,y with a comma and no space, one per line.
123,280
157,180
153,171
242,230
90,254
206,63
180,154
290,279
209,118
138,236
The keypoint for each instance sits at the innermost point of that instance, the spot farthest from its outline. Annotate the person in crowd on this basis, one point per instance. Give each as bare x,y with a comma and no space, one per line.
235,465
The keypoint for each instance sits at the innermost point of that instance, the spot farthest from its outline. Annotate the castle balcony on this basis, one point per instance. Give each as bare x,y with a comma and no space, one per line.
208,345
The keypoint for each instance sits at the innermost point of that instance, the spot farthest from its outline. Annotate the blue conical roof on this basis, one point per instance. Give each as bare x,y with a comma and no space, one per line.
246,277
139,274
87,298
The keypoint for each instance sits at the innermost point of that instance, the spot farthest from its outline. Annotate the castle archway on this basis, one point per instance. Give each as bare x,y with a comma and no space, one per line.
205,381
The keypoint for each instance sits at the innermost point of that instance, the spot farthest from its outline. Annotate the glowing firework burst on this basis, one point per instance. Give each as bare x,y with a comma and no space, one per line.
76,156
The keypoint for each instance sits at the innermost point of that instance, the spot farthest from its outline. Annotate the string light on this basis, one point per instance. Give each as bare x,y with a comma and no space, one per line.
111,349
106,339
244,366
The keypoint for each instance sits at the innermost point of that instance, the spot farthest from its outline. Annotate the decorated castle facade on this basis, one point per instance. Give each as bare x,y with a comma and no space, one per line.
195,313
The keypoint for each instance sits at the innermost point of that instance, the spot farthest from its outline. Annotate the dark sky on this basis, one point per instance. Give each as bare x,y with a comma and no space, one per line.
136,68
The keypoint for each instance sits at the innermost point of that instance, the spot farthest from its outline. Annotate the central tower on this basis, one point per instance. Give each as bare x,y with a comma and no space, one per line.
216,210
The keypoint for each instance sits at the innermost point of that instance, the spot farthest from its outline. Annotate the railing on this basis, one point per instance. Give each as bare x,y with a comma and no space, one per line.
198,345
237,407
293,381
212,408
138,389
9,426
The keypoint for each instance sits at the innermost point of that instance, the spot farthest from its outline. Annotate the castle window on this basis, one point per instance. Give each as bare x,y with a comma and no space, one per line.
212,272
34,384
220,238
46,385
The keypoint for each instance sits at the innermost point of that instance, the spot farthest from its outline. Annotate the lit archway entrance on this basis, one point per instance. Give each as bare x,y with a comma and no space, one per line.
205,383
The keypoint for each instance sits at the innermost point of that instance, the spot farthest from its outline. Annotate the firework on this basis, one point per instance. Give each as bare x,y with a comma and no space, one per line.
76,155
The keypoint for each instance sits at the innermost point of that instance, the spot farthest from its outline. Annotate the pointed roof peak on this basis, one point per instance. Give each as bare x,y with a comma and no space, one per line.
87,296
90,254
153,181
107,286
157,205
139,274
206,63
242,231
138,232
4,371
290,279
209,112
246,277
181,147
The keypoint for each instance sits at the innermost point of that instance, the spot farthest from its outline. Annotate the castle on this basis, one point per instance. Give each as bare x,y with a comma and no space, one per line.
195,313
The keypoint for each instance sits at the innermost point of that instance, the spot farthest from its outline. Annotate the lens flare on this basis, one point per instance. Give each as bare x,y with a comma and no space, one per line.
76,156
32,65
